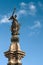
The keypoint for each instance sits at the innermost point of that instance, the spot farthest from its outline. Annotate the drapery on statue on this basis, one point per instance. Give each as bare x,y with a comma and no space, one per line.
15,25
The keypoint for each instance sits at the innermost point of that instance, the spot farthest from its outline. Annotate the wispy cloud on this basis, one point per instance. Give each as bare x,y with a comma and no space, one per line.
30,8
22,12
4,19
36,25
35,28
23,4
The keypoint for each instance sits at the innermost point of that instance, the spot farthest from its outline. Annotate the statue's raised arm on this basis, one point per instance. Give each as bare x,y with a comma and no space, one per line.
13,17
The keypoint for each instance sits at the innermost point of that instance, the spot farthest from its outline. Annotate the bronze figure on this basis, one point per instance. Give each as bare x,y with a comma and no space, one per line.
15,25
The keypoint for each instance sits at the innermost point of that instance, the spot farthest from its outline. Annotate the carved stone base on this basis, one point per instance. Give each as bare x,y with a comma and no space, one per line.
14,64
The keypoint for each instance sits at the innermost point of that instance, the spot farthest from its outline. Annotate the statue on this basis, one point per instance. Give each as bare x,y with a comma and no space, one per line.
15,25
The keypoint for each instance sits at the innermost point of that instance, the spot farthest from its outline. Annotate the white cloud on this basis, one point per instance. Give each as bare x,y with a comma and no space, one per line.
35,28
23,4
36,25
30,8
4,19
22,12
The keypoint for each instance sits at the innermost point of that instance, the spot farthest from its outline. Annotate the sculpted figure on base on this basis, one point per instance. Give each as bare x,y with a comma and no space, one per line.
15,25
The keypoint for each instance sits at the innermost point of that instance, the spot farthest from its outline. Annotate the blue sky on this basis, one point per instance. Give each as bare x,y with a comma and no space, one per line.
30,16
